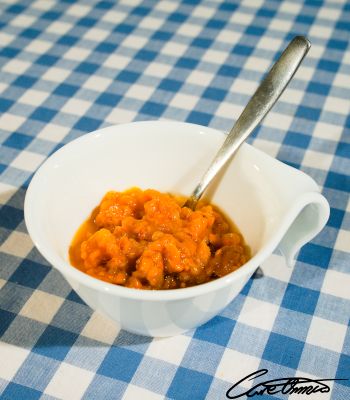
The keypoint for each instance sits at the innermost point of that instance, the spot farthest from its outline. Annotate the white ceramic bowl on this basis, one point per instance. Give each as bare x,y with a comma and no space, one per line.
273,205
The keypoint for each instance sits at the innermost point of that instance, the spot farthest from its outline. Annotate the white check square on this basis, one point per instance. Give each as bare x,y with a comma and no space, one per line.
242,18
166,6
140,92
337,105
53,132
268,147
101,328
135,392
23,21
16,66
257,64
278,121
258,313
151,23
290,8
184,101
119,115
69,382
214,56
38,46
6,38
97,83
41,306
114,16
27,160
337,284
174,49
6,192
316,159
77,54
78,10
326,334
134,42
158,69
343,241
171,349
235,365
203,12
318,31
116,61
97,35
12,358
200,78
55,74
76,106
18,244
228,36
10,122
243,86
229,110
59,28
190,30
33,97
332,132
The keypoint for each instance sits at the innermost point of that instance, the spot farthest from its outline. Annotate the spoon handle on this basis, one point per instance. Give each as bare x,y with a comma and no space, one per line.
258,106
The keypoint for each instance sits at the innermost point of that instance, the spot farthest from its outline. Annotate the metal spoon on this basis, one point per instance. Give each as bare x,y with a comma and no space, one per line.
258,106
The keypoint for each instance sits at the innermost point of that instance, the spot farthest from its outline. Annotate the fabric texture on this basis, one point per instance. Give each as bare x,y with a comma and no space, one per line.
69,67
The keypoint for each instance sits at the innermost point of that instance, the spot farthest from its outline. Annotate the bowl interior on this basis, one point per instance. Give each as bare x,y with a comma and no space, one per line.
166,156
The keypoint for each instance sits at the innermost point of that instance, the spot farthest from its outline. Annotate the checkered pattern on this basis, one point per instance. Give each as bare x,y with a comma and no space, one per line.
69,67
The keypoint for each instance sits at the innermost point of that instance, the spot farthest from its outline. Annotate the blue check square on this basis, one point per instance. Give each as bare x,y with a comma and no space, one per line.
108,99
87,68
87,124
5,104
343,371
338,181
188,385
316,255
6,318
55,343
198,117
67,40
15,391
18,141
300,299
10,217
308,113
106,47
215,94
170,85
66,90
43,114
152,108
29,274
15,9
283,350
297,140
24,81
146,55
120,363
218,330
336,218
47,60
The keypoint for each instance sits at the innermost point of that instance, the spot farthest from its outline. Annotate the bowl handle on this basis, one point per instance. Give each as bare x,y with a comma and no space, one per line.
311,213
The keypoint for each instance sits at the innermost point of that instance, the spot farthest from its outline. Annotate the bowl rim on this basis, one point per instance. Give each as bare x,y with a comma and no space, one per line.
70,272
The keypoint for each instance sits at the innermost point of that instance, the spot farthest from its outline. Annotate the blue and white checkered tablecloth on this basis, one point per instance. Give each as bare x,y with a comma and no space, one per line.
69,67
